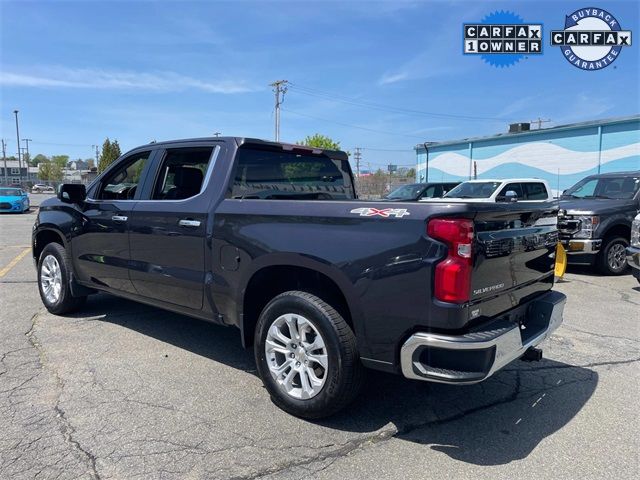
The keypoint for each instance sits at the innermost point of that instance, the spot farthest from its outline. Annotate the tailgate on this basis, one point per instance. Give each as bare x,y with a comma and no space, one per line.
514,253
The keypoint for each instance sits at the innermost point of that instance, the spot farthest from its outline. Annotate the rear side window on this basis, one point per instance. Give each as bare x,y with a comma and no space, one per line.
281,175
535,191
182,172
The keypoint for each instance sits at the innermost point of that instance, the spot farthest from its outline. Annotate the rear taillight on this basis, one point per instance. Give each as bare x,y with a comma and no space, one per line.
453,274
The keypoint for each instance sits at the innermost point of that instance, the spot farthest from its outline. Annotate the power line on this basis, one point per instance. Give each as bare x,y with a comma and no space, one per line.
375,149
378,106
351,126
61,144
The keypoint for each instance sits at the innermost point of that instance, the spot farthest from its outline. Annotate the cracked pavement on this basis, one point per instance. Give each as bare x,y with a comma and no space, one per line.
126,391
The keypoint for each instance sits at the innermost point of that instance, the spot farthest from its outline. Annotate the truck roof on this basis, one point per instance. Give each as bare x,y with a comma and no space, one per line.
629,173
252,141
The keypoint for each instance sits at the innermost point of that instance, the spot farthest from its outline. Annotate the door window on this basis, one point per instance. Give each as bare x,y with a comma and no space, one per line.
182,172
535,191
122,183
430,192
515,187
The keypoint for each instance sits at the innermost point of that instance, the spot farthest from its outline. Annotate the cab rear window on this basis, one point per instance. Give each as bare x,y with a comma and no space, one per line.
282,175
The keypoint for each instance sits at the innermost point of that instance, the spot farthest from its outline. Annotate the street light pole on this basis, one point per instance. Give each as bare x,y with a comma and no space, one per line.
18,137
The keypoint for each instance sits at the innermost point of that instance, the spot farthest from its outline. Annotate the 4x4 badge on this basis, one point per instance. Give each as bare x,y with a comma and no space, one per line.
385,212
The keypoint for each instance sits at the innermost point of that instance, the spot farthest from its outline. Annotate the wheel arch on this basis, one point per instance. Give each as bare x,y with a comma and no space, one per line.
618,229
280,273
45,235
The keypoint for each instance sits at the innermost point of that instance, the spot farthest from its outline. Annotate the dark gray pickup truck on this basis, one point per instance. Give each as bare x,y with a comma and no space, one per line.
271,239
595,219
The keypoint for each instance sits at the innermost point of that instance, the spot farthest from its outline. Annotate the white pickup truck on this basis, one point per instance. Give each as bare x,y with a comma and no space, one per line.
491,191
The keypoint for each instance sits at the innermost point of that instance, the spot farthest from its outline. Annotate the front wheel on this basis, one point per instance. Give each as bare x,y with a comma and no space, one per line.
307,356
54,277
612,258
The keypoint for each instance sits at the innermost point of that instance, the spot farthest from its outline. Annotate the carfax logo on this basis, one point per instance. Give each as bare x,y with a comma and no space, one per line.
592,38
502,39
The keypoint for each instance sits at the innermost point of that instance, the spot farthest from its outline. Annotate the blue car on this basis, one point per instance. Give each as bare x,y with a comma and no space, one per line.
13,199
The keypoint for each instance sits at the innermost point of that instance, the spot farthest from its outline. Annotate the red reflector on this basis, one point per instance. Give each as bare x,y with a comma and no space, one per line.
452,282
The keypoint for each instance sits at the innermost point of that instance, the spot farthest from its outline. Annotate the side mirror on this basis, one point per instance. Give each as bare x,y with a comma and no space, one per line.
509,196
72,193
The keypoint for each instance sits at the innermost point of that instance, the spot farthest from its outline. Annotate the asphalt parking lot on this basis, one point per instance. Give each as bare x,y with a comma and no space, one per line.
126,391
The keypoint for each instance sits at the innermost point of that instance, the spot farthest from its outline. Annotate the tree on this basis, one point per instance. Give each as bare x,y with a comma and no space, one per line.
38,159
110,151
61,160
320,141
51,171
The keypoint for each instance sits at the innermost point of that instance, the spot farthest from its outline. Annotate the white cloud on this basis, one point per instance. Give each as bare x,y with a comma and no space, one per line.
161,81
388,78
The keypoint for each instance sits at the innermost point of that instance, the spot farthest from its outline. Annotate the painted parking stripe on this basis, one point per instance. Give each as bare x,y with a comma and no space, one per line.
14,262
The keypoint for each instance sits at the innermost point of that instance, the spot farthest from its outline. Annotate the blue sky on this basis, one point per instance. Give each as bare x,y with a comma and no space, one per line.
137,71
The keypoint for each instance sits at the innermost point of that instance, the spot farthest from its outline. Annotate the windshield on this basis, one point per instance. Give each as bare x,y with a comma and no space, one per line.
473,190
406,192
605,187
10,192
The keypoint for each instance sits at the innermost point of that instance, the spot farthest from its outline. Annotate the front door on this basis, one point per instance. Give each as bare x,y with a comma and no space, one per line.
100,248
168,228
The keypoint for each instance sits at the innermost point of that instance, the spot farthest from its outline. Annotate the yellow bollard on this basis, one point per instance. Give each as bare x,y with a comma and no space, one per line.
561,261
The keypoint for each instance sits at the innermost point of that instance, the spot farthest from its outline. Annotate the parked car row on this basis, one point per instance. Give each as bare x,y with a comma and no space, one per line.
594,220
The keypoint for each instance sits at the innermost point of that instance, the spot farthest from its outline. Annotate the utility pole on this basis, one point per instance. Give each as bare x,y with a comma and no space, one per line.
540,121
15,112
216,134
4,159
279,87
28,160
357,156
97,154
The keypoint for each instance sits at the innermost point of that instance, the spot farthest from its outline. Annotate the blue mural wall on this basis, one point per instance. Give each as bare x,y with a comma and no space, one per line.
562,155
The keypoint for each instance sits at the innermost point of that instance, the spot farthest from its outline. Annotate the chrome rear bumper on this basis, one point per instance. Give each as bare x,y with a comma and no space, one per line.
475,356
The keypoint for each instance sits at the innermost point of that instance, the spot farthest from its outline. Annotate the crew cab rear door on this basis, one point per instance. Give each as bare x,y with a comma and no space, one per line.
168,227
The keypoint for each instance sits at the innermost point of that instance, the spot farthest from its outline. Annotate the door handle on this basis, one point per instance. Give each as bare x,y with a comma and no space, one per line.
189,223
119,218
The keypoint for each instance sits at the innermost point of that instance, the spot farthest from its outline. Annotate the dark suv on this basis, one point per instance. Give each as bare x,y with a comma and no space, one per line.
595,218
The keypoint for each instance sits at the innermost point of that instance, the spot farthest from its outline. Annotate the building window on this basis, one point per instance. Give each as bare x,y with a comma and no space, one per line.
15,171
14,180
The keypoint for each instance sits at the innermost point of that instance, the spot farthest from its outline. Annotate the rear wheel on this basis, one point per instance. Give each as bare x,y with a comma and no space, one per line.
54,277
612,258
307,356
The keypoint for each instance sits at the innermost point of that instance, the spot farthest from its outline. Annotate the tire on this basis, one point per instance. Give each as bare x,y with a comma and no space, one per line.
315,391
611,259
54,271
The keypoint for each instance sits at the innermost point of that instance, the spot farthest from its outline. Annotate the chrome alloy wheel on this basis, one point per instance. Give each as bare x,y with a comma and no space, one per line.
617,257
51,279
297,356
